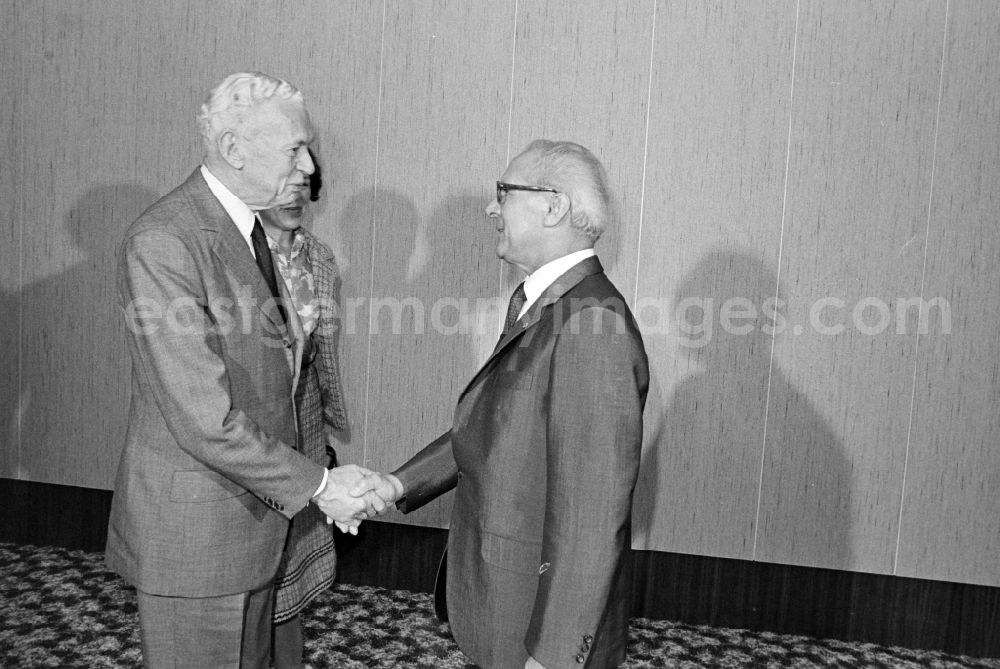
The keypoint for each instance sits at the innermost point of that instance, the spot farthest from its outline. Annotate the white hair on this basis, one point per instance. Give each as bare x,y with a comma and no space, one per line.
229,104
573,170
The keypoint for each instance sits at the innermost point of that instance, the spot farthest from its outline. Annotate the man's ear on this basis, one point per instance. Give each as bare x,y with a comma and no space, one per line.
558,209
230,149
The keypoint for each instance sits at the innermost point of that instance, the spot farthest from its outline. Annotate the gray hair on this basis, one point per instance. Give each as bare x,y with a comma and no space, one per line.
229,104
572,169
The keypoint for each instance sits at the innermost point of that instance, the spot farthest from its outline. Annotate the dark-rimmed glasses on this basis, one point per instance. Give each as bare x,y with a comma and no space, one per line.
502,189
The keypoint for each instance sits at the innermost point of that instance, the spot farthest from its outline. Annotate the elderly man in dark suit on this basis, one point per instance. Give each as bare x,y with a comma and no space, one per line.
209,475
544,447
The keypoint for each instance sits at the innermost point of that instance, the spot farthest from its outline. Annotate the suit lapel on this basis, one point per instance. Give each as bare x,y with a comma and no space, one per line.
230,247
546,300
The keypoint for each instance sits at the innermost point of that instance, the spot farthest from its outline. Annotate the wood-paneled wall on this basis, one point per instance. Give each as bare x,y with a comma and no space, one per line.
950,509
792,180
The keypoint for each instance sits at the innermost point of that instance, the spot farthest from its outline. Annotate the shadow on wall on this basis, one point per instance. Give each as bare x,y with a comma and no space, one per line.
65,402
350,234
437,275
464,242
701,471
435,284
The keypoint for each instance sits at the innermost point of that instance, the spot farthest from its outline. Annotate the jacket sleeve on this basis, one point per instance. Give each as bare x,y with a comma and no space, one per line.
178,352
598,382
326,276
428,474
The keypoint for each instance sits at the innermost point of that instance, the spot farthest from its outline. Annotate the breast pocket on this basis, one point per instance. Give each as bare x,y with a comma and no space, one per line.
203,485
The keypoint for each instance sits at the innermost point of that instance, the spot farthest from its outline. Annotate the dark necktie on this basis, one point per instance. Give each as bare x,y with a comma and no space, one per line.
266,265
517,300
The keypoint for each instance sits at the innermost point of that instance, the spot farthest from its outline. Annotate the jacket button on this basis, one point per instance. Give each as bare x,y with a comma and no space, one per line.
579,659
585,648
588,639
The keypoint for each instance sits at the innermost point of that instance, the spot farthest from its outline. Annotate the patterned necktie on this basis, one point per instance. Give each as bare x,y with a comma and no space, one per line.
266,264
517,301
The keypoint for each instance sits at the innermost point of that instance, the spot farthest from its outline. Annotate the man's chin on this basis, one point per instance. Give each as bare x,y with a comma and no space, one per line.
293,197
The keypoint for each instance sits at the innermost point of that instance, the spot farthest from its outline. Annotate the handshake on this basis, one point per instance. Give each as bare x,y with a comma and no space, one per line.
353,494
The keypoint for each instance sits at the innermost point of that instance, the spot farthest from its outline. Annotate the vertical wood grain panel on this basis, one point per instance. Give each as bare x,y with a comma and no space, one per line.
711,229
78,195
336,63
188,47
100,122
12,81
446,73
950,526
864,106
185,49
581,73
340,75
330,51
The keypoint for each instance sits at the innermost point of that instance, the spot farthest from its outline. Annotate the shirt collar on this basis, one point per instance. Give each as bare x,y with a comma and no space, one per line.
238,211
543,277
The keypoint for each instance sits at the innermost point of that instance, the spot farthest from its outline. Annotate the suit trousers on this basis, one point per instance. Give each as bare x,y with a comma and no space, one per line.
227,632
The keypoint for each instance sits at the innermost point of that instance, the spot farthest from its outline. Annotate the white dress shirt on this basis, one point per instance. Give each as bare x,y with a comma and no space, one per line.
543,277
242,215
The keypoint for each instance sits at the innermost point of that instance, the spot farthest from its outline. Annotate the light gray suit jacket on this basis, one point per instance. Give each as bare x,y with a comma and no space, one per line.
544,453
207,480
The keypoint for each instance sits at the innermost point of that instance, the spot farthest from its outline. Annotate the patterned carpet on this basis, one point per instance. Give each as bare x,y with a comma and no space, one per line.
65,609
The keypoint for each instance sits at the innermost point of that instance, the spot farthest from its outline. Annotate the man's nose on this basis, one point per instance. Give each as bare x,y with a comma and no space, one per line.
305,162
492,209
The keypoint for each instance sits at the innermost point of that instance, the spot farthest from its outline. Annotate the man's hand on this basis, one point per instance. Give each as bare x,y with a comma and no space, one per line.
386,487
347,510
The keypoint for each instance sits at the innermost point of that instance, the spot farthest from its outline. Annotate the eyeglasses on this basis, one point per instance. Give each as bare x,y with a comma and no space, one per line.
503,188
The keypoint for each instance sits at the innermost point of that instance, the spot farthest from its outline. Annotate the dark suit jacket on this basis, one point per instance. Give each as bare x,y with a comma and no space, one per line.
544,452
206,483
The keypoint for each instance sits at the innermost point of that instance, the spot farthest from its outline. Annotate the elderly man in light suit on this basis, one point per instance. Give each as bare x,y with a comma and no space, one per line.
209,475
544,447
